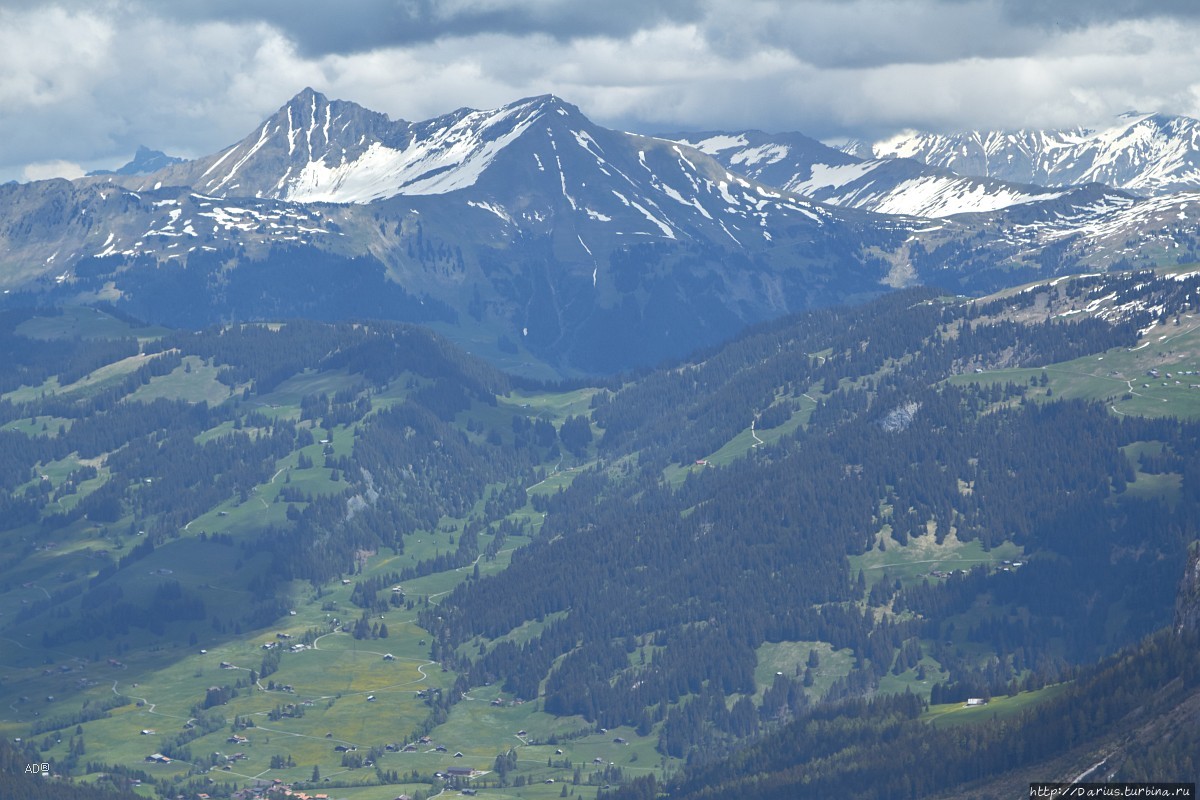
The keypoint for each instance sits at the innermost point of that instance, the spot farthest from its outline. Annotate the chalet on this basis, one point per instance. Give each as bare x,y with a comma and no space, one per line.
370,698
458,755
441,748
619,740
388,657
410,748
459,772
226,665
237,739
976,701
158,758
148,731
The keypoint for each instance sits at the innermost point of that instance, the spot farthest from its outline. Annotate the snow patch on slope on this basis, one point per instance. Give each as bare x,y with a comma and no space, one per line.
451,159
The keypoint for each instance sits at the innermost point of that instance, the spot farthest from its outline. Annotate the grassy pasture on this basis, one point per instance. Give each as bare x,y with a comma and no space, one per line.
1119,378
558,478
908,681
743,442
997,708
84,323
193,381
490,730
790,658
284,400
33,426
556,406
922,555
95,380
1147,485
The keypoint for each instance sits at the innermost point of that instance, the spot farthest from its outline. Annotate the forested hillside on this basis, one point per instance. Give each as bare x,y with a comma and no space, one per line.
796,555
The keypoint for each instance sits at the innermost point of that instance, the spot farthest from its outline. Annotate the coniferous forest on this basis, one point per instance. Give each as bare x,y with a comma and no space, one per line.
778,568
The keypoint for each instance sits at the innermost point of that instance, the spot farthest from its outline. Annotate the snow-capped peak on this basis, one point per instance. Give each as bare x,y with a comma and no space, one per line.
1144,153
433,158
804,166
314,149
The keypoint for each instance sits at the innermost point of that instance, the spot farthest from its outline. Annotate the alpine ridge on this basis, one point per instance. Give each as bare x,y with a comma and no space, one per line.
543,241
1147,154
900,186
528,230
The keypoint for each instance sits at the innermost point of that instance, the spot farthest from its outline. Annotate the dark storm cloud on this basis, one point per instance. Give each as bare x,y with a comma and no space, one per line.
1060,14
320,27
859,34
83,82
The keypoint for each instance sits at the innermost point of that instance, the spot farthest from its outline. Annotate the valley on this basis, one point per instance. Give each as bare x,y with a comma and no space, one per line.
508,454
243,548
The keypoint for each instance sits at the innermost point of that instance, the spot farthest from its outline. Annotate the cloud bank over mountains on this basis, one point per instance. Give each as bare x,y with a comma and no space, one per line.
84,83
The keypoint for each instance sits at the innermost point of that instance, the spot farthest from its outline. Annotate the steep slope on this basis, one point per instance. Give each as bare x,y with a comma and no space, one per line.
535,235
314,150
308,129
691,576
1147,154
537,231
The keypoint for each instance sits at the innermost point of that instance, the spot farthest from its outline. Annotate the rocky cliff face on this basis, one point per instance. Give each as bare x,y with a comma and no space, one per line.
1187,602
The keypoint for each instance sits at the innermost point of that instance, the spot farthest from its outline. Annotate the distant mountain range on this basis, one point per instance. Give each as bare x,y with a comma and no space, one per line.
145,161
539,239
1148,154
883,185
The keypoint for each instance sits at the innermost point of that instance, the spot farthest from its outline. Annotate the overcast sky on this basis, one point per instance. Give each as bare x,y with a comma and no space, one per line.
83,83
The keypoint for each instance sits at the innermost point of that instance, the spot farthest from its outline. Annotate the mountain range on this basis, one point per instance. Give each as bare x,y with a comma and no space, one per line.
555,246
262,534
1148,154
